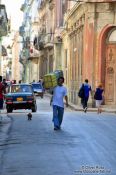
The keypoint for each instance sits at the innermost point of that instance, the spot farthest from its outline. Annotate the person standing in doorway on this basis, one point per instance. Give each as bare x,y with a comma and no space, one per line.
99,97
87,89
59,93
2,92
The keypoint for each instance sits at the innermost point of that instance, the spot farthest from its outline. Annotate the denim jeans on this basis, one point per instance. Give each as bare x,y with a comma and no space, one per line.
1,103
57,115
84,102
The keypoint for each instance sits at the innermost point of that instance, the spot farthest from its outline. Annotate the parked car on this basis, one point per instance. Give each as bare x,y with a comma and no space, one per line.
38,89
20,96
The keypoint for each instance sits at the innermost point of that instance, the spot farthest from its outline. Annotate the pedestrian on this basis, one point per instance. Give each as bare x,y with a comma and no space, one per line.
14,82
98,96
59,93
5,85
40,81
20,81
4,82
2,92
85,97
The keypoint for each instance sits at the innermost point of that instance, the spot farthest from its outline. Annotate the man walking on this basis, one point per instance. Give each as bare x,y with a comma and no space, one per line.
59,93
84,99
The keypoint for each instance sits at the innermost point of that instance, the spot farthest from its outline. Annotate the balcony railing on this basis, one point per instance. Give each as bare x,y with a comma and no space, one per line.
49,41
39,42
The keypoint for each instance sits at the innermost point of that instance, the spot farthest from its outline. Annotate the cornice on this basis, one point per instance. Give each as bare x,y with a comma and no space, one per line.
70,12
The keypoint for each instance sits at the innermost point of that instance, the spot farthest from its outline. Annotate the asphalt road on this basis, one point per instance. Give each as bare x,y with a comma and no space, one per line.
86,144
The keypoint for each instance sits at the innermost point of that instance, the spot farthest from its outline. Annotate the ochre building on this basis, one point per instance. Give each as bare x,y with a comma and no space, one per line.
89,43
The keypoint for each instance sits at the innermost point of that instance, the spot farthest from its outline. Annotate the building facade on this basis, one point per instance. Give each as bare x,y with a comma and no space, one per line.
16,66
90,48
44,32
3,29
77,37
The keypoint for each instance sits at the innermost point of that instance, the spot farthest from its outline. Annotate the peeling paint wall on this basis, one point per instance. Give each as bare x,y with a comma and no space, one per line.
90,19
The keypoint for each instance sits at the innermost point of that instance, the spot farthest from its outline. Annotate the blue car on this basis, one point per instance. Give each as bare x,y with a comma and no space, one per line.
20,96
38,89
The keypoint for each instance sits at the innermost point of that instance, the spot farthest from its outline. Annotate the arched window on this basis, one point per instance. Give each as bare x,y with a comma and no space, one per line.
112,36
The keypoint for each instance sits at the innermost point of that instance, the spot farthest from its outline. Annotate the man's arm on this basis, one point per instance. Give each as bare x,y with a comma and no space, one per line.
66,99
91,91
51,100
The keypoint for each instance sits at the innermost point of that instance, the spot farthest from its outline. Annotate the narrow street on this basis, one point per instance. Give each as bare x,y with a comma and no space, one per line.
66,48
84,146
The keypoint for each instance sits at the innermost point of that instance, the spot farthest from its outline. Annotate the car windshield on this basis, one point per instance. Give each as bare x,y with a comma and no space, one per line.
21,88
37,86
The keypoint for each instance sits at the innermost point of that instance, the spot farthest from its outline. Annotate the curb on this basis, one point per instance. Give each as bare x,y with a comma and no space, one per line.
78,108
91,109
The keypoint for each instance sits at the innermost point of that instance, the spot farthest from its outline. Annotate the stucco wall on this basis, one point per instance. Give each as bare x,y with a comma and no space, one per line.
89,18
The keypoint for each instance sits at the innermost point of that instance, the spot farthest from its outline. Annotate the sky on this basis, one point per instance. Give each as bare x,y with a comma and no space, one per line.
13,11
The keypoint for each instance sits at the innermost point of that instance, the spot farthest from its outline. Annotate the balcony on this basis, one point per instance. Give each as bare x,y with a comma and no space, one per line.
24,55
23,6
3,21
39,42
21,30
49,41
33,53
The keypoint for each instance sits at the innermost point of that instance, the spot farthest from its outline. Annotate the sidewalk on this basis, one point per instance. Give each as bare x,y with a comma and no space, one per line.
90,109
4,119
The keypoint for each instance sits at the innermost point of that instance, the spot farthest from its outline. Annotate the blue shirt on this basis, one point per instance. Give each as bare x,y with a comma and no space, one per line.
99,92
87,88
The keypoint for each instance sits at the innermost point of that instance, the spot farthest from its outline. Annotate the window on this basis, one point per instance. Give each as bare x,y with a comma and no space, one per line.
22,88
112,37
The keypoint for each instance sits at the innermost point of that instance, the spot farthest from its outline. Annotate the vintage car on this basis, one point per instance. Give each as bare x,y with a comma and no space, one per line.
38,89
20,96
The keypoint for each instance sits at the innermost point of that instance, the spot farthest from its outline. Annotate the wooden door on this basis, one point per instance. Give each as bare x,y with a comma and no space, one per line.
110,75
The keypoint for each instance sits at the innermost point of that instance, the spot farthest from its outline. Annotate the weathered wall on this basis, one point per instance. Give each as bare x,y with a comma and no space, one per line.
87,44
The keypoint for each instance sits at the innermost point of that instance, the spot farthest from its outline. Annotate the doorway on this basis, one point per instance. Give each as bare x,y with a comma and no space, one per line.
110,68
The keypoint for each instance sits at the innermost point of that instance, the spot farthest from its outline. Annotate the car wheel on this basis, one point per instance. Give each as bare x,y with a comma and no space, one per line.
34,108
9,109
